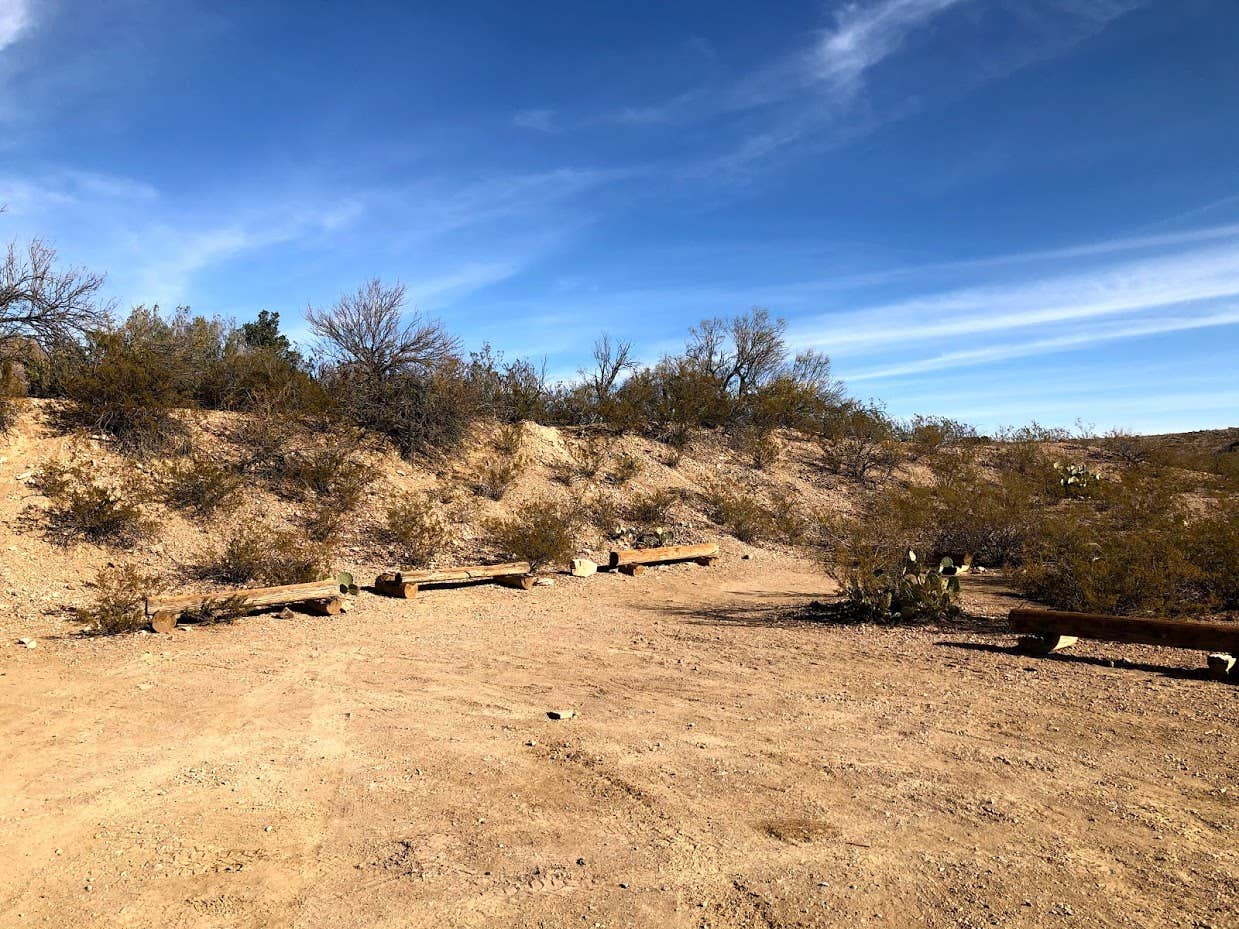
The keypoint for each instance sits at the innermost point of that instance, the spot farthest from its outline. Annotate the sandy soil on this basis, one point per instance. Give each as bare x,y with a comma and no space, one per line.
730,765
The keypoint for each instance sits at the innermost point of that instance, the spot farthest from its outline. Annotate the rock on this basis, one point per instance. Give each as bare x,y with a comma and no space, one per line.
544,582
285,613
29,643
583,567
581,862
746,557
532,742
561,714
24,476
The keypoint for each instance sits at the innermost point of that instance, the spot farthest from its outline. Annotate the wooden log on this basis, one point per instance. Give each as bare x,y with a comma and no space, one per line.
1221,665
1135,630
252,598
164,622
665,553
332,606
632,570
465,573
391,585
519,581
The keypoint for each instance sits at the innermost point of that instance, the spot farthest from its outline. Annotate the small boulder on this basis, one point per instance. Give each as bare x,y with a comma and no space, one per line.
583,567
29,643
561,714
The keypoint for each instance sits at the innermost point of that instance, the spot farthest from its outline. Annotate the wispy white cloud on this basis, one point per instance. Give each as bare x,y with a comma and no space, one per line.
865,36
16,18
1026,348
1125,288
539,120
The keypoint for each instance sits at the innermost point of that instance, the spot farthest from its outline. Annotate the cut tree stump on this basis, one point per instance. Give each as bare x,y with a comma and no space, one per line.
632,570
1053,629
165,612
406,583
704,554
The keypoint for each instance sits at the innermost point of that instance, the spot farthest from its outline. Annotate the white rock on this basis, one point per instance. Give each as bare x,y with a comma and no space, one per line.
583,567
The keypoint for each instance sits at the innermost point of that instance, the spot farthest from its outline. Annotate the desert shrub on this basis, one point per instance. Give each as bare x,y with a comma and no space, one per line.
256,552
652,508
1136,547
417,527
83,506
120,601
603,512
758,445
542,531
10,391
791,524
929,435
495,474
327,472
1212,544
200,484
740,513
331,481
1126,447
626,468
858,457
588,458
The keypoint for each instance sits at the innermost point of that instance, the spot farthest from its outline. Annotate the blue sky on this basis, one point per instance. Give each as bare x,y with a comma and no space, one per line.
997,210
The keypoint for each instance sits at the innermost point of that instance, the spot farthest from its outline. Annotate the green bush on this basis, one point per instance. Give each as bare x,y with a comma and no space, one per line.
85,507
652,509
542,531
120,601
257,552
741,514
417,527
903,590
200,484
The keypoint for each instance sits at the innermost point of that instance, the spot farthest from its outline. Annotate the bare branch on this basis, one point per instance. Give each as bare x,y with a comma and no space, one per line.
43,304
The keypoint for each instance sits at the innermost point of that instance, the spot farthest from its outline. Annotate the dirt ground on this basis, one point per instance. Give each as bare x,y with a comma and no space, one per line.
730,765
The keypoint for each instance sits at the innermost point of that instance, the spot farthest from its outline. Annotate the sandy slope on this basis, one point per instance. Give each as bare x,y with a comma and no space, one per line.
729,767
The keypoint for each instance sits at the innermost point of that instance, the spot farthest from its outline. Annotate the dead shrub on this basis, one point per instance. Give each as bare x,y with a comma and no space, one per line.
201,485
494,475
417,527
83,506
626,468
860,457
120,601
257,552
510,439
332,481
542,531
586,460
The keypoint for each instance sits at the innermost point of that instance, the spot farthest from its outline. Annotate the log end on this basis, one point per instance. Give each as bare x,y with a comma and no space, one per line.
518,581
632,570
332,606
1221,666
164,621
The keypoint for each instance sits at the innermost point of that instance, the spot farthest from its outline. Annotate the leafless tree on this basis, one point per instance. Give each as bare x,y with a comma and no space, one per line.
39,302
366,331
741,353
611,360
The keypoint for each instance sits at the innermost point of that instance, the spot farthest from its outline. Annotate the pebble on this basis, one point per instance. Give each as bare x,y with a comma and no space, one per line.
561,714
29,643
